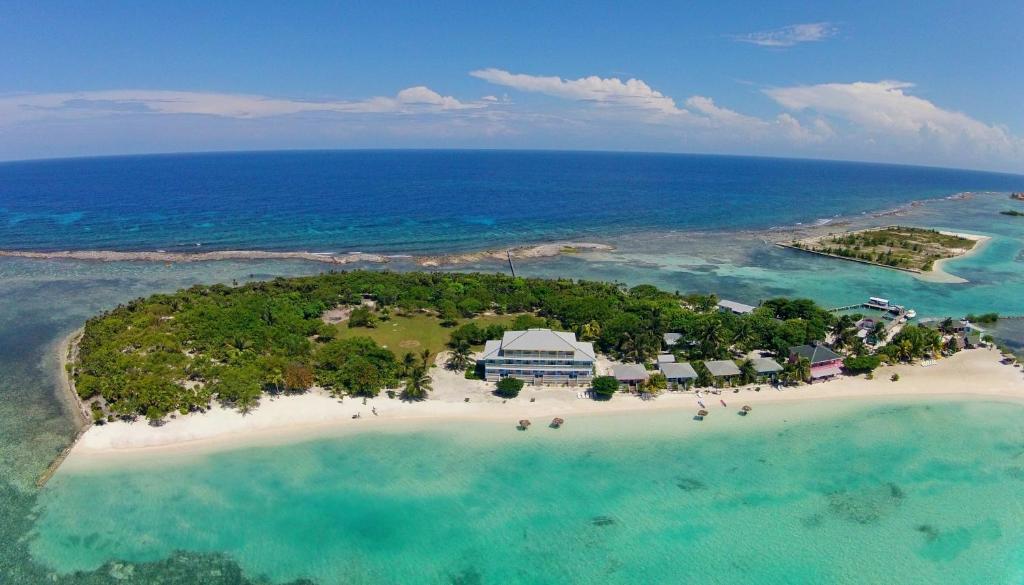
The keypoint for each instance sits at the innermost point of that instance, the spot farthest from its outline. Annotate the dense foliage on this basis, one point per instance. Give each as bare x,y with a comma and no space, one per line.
177,352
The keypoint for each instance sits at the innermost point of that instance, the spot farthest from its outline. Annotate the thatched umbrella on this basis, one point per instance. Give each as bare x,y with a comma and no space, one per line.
524,424
557,422
702,412
746,408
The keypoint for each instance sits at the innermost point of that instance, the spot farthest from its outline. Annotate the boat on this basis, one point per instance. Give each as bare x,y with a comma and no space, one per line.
723,403
911,314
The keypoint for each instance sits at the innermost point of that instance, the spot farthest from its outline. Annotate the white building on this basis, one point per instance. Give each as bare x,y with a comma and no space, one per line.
539,356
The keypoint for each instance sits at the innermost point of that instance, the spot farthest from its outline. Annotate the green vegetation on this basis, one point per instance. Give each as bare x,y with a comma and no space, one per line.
862,364
913,342
604,387
895,246
509,387
985,318
179,352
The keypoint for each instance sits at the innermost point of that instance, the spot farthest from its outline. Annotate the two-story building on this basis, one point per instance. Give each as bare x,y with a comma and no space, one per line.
825,363
539,356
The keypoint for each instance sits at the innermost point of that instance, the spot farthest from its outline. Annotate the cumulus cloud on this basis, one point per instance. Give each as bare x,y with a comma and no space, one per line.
788,36
17,108
608,91
886,109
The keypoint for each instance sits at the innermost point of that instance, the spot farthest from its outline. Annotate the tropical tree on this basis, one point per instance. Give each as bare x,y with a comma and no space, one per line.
748,373
460,357
798,370
417,385
509,387
604,387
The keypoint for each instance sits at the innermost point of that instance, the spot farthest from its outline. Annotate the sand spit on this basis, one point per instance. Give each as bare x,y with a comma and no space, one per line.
517,253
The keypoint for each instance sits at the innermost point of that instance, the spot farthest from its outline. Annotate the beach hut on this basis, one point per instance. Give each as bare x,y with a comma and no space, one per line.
679,375
631,376
557,423
723,371
767,369
524,424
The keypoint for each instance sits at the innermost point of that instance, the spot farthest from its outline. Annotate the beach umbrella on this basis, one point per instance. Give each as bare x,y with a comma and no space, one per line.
557,422
524,424
746,408
702,412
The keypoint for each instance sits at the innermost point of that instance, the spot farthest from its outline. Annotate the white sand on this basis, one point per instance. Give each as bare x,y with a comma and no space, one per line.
973,374
938,272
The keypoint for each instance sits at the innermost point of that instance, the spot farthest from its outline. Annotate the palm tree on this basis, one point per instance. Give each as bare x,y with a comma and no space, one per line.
417,385
748,373
590,331
711,337
798,371
425,358
461,356
743,335
408,362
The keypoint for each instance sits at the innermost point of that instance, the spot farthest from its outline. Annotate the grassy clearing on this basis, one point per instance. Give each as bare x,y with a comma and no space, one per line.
415,333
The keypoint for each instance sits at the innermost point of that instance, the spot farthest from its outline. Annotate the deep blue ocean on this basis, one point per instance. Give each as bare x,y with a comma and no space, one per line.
432,201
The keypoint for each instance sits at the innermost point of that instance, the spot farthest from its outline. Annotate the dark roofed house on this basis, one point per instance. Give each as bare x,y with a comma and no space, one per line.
631,375
723,371
679,375
825,363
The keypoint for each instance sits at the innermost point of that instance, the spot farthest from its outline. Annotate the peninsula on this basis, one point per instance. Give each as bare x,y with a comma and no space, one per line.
912,249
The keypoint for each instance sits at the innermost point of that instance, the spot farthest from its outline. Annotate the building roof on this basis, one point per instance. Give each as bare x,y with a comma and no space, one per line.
671,339
631,372
765,365
738,308
722,368
540,340
665,358
816,353
678,371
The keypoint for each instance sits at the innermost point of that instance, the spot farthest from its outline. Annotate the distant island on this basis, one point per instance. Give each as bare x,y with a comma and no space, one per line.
911,249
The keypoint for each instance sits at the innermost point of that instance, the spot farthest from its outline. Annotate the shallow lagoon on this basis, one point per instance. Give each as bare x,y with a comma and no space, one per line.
798,493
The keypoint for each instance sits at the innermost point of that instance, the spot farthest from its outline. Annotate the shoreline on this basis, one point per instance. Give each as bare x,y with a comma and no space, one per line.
968,375
66,353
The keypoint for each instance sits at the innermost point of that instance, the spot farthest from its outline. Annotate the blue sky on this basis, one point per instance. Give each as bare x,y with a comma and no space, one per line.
939,83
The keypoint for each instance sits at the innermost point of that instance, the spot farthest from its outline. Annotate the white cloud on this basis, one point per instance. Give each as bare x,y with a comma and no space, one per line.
23,107
885,109
788,36
607,91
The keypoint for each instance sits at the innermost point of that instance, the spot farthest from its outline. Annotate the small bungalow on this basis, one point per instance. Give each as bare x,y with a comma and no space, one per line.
679,375
666,358
825,363
671,339
767,369
723,371
735,308
631,376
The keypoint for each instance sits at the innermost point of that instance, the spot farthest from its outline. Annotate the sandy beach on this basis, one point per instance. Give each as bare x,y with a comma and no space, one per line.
938,272
973,374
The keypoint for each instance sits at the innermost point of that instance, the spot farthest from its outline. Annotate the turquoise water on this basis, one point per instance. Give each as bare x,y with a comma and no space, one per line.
791,494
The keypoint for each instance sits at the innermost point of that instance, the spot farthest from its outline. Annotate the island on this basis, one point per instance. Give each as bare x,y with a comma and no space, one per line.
911,249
